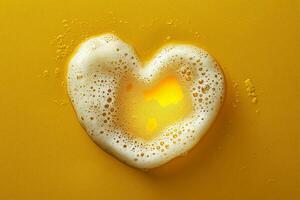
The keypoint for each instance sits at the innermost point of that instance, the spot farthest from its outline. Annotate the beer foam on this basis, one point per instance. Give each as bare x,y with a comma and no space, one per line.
94,76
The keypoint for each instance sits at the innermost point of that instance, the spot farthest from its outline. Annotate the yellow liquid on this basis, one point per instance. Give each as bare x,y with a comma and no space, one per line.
252,150
145,111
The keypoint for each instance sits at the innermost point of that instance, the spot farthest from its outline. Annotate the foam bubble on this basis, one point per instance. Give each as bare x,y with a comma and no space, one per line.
94,77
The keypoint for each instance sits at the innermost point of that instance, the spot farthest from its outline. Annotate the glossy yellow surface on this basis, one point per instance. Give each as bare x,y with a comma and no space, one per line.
165,93
251,152
145,110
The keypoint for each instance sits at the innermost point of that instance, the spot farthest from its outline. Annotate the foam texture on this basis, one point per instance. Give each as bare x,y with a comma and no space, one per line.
94,76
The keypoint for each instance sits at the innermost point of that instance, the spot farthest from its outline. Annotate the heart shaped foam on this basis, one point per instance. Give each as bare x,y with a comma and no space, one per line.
94,77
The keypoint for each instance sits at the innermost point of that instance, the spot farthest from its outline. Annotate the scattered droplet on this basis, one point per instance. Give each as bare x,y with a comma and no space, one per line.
57,72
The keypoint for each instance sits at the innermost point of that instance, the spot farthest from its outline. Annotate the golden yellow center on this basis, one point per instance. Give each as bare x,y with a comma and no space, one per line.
146,111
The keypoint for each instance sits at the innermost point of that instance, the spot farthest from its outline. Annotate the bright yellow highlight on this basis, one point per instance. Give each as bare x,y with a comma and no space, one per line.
166,93
146,110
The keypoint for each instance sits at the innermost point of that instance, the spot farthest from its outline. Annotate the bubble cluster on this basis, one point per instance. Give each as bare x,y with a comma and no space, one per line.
94,77
251,91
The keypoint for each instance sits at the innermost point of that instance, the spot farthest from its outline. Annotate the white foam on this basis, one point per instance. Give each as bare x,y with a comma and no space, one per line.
94,76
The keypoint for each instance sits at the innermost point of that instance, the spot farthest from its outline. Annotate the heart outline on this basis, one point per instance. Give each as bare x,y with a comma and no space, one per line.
102,49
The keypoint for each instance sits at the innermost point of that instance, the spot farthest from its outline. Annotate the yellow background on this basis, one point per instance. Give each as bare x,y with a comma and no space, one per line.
45,153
